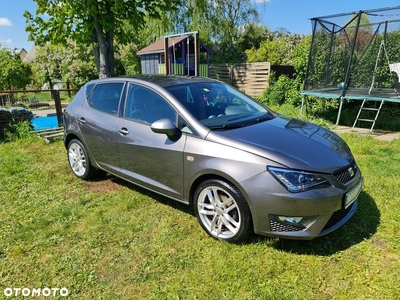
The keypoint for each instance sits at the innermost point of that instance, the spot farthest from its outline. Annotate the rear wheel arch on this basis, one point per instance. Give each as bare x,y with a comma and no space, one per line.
79,160
73,136
69,138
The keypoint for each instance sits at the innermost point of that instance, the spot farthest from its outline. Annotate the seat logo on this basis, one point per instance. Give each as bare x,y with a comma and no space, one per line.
351,171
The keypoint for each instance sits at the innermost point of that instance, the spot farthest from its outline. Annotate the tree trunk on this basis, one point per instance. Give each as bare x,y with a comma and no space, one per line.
103,40
96,51
103,45
104,64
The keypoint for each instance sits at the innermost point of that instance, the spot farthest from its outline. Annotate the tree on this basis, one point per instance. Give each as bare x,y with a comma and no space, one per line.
221,25
140,38
277,48
99,23
253,35
70,62
14,74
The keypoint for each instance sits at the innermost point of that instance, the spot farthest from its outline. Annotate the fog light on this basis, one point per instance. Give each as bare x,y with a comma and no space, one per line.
301,222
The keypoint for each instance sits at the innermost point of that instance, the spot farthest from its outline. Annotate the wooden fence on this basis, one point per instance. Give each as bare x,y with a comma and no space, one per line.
7,99
252,78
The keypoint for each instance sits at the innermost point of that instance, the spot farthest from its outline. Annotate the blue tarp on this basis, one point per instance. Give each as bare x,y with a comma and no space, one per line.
44,123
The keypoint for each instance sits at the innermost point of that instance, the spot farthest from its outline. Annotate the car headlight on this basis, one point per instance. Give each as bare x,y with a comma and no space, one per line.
296,181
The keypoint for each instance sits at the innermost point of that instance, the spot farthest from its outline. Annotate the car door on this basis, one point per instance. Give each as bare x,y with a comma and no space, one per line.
98,120
147,158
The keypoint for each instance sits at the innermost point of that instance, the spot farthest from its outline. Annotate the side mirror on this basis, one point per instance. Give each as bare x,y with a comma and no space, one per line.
167,127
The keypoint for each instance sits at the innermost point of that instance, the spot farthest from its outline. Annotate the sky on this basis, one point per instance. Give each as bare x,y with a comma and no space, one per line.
292,15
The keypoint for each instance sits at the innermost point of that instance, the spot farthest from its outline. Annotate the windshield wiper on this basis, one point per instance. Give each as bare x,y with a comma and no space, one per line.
225,126
240,125
258,120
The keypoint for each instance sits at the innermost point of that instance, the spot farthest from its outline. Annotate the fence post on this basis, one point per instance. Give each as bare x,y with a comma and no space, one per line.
57,102
231,75
68,88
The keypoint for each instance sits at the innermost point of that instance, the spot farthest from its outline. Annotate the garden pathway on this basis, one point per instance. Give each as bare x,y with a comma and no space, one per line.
377,134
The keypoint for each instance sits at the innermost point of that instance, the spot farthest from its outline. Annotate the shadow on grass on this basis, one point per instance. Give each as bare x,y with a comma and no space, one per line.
363,225
160,198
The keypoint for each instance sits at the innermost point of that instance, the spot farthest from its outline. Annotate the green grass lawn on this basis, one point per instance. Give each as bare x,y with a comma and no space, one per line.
107,239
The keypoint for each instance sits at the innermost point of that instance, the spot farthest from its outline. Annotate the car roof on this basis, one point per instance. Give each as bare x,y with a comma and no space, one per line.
162,80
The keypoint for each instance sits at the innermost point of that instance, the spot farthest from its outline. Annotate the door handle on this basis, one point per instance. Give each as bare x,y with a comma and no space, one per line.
123,131
82,120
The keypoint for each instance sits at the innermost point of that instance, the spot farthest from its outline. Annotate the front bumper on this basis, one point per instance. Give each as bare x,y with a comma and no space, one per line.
326,207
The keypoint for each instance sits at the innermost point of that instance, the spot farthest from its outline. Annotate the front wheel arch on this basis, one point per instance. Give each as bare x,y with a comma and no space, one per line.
227,216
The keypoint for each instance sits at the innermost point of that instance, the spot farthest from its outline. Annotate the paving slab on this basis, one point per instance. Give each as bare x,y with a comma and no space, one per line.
381,135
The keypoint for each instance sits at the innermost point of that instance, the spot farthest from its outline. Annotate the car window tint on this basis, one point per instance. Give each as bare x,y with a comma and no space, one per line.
89,89
191,98
105,97
147,106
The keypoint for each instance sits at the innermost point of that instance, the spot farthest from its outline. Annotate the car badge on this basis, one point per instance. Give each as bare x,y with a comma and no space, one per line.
351,171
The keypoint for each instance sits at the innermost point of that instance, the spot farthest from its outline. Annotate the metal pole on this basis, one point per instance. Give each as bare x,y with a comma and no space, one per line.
308,64
196,54
340,111
346,78
166,60
180,34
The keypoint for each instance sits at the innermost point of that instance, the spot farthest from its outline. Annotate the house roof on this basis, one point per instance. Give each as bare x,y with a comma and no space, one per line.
158,46
31,55
20,52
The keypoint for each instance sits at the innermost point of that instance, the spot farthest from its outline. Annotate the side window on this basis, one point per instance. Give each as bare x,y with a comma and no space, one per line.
105,97
89,89
145,105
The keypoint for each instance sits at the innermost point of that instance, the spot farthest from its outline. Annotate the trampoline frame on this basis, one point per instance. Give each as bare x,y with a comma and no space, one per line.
389,95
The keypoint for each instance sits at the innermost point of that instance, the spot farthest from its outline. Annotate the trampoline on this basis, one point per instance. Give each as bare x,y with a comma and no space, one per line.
355,56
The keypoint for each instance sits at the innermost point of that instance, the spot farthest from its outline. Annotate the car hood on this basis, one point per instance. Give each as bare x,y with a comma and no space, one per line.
290,142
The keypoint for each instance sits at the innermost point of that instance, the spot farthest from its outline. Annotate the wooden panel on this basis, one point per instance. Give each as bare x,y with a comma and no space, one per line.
203,70
220,72
177,69
161,69
149,64
251,78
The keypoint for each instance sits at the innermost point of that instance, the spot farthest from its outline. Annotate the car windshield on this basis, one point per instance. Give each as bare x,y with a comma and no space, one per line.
219,106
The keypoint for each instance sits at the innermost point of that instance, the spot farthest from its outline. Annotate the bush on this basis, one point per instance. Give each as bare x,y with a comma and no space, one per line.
284,90
16,131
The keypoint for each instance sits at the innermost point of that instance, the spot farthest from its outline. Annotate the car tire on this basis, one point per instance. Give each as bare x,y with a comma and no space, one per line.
79,160
222,211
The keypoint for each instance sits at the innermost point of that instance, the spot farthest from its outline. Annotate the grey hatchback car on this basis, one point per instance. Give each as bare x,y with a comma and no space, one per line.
242,167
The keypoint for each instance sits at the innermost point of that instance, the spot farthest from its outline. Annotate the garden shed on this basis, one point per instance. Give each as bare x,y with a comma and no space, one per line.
181,56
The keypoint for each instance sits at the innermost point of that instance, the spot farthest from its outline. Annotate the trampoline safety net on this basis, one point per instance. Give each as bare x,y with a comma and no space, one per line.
355,55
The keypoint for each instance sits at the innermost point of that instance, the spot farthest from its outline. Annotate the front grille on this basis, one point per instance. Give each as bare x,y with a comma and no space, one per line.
337,217
280,227
346,174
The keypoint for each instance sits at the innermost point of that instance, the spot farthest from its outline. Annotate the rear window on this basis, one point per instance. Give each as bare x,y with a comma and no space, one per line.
105,97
